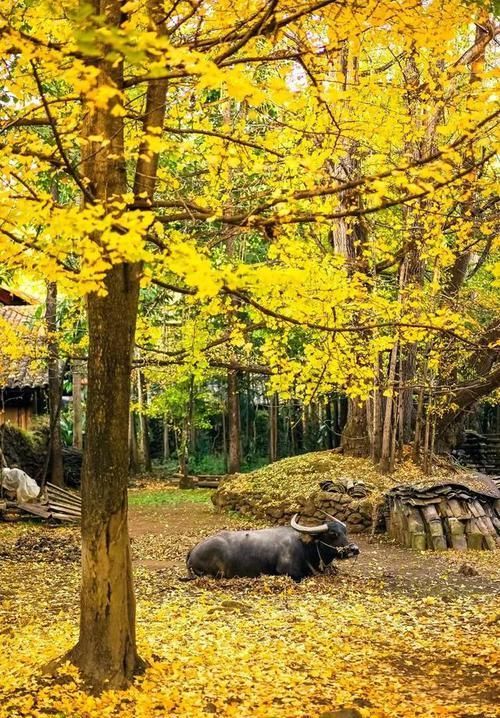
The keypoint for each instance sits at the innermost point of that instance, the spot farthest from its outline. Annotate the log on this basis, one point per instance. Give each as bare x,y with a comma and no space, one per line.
488,538
446,510
53,507
57,491
474,535
456,531
394,523
459,509
477,509
430,513
435,528
52,498
35,509
416,527
63,517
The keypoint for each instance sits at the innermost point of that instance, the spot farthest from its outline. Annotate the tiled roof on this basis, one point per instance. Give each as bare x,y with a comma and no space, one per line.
26,371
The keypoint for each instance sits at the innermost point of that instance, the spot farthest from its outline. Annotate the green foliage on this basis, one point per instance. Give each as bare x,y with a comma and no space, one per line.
66,423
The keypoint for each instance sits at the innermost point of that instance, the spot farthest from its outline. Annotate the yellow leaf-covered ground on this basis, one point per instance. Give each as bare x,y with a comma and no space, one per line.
290,483
300,475
395,634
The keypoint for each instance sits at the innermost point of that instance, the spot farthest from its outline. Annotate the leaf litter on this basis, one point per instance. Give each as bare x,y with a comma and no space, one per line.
398,633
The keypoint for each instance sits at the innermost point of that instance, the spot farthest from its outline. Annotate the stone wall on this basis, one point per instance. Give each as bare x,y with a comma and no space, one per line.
356,513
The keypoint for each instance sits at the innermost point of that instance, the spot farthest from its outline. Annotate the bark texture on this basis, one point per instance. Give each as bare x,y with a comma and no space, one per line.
106,650
355,435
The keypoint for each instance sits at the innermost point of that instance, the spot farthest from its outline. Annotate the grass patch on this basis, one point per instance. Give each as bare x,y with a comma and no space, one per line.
168,497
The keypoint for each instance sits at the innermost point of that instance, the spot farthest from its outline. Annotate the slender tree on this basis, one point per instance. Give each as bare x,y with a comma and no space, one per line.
55,463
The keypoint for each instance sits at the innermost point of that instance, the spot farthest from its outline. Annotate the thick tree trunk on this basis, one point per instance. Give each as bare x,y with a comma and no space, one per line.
233,406
355,436
106,650
56,468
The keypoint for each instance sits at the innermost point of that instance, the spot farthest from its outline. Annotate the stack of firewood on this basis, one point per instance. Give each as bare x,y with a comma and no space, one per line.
445,516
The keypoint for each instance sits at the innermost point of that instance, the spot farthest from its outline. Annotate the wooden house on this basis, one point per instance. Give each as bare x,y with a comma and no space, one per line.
23,378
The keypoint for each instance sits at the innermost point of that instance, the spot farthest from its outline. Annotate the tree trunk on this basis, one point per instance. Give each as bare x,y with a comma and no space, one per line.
294,426
186,482
233,406
224,441
106,650
78,371
273,428
247,446
166,440
336,430
56,468
134,459
355,437
329,424
376,417
145,452
389,424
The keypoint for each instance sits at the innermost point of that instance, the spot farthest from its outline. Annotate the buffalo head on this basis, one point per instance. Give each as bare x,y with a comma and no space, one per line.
331,534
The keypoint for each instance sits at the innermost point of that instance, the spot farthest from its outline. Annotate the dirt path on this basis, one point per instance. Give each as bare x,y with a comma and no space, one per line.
161,537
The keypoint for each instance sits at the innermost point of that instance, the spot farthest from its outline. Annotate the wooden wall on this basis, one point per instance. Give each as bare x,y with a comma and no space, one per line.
20,416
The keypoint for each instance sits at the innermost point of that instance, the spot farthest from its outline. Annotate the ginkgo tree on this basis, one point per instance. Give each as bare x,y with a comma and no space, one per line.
163,125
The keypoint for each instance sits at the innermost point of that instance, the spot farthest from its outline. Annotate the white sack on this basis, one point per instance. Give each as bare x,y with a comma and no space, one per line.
18,482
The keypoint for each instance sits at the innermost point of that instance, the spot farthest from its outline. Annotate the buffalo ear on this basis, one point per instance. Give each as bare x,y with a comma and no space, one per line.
306,538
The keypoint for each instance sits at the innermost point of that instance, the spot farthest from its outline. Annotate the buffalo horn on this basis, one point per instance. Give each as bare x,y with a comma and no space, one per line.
333,518
307,529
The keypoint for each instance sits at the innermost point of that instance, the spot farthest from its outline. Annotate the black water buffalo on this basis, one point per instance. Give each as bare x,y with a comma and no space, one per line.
296,550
